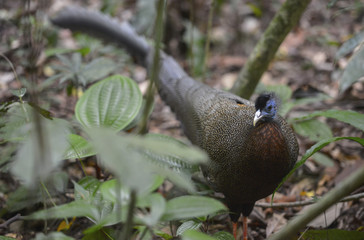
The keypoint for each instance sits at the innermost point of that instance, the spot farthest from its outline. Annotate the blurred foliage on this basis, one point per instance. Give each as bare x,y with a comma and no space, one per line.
195,41
72,69
34,144
145,16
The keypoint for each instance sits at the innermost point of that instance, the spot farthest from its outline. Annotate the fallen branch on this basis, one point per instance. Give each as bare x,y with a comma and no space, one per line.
10,221
305,202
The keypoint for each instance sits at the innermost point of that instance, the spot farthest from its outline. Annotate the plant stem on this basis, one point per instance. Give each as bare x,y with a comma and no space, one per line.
146,229
129,220
285,19
190,45
155,68
208,35
347,186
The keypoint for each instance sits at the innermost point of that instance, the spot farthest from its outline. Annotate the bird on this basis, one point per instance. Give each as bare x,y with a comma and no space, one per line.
250,146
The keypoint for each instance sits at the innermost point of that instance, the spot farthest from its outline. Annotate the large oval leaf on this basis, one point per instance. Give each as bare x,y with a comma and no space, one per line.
113,103
190,207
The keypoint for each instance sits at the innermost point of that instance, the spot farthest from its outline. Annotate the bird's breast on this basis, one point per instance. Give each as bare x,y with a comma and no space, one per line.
267,151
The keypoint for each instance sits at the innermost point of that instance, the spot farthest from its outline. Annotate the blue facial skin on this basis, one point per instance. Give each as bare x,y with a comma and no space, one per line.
267,113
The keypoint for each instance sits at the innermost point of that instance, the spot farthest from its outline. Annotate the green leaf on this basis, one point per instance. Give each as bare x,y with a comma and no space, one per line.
350,45
195,235
323,159
97,69
57,182
110,192
79,208
53,236
113,102
353,118
125,156
315,148
255,9
88,192
189,225
144,18
19,92
42,151
223,236
15,122
56,51
118,155
287,106
332,234
45,113
313,129
178,157
353,71
318,146
156,205
6,155
24,197
161,234
112,218
89,203
102,234
191,206
194,39
78,148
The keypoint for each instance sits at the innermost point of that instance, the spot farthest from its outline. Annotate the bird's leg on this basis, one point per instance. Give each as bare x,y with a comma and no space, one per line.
245,228
235,227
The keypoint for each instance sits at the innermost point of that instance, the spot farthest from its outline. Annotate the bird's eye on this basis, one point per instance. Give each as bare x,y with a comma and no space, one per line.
269,108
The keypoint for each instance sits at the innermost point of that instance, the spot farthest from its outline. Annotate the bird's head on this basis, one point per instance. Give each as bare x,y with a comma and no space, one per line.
266,107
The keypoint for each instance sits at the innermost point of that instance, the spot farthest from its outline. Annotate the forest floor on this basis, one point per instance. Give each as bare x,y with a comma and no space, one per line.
305,62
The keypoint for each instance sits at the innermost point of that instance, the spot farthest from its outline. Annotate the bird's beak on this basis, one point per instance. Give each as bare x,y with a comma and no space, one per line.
258,115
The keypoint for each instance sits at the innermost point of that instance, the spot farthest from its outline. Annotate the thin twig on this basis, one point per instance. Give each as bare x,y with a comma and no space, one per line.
305,202
190,46
144,233
10,221
155,68
129,221
208,35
